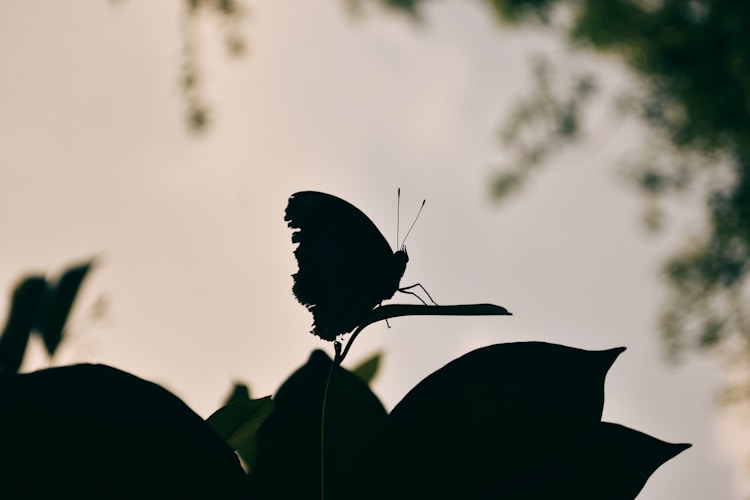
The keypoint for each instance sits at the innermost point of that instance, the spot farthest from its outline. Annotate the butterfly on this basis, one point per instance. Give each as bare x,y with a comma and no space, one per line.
346,266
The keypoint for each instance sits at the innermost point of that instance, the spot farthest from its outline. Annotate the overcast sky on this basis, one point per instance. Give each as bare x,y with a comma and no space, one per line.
195,259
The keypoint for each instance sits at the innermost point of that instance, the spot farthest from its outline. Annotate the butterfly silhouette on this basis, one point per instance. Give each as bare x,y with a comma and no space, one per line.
346,266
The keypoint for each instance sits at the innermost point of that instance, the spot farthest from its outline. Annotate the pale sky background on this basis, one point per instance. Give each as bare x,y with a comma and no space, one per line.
195,259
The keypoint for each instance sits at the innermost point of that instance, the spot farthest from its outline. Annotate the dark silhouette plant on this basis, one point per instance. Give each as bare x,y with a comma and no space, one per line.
92,431
509,421
39,306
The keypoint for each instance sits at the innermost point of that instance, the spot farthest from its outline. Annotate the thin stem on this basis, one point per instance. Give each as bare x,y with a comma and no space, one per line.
336,362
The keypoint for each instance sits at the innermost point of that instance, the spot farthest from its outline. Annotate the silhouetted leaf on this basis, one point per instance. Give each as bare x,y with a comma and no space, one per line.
613,463
237,422
288,463
24,307
57,304
91,431
247,449
505,414
240,392
368,368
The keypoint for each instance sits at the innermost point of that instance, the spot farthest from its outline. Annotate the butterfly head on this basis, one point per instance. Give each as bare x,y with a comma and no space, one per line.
400,258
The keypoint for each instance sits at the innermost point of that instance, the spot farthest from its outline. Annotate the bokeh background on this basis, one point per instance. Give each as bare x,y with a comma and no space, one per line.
192,287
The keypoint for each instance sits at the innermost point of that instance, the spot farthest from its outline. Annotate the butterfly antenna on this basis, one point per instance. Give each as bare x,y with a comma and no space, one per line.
398,214
415,221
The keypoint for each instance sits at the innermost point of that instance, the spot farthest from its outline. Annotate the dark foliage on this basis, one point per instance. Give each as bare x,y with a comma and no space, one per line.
289,442
24,306
509,421
91,431
39,305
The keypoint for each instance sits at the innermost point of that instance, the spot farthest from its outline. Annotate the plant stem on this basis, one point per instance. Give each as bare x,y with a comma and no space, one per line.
336,362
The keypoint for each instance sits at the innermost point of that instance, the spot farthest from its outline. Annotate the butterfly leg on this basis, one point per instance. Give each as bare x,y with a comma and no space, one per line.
407,289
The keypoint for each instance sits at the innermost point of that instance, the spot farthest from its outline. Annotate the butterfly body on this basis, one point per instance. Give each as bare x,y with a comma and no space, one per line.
346,266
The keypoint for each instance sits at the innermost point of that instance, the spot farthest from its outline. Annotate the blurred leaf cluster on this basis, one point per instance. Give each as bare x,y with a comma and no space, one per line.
39,306
692,91
546,121
230,15
690,57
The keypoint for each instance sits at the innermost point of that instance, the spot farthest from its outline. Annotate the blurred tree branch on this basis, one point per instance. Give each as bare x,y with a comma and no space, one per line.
693,93
230,14
694,81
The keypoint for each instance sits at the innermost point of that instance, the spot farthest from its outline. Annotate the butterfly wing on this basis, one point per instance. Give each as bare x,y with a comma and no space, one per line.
346,266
